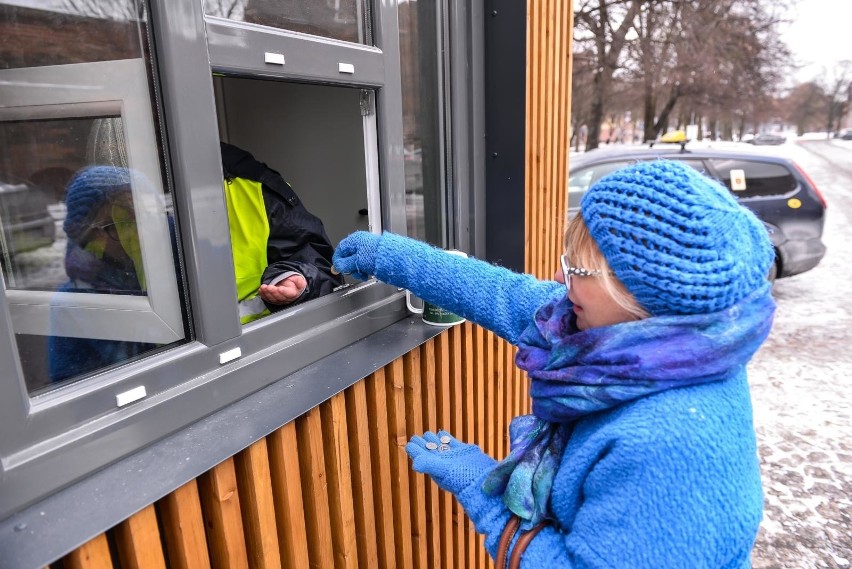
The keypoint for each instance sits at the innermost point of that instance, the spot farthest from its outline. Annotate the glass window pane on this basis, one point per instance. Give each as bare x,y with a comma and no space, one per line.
338,19
54,32
88,245
581,179
422,116
294,160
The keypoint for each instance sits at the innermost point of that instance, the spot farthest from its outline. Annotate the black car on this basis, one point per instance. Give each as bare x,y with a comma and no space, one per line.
775,188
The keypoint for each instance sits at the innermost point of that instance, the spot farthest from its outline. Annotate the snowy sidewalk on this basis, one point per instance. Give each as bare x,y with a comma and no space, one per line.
802,392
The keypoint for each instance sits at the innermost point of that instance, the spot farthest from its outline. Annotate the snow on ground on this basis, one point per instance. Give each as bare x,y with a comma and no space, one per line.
802,391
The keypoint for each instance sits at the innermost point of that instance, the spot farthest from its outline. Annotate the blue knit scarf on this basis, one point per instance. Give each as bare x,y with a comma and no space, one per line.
576,373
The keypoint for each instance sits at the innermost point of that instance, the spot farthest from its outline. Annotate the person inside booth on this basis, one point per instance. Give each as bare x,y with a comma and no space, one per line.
282,255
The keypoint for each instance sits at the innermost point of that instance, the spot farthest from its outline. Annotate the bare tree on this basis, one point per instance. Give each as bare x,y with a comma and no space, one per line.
232,9
705,56
805,107
837,85
653,54
583,65
602,27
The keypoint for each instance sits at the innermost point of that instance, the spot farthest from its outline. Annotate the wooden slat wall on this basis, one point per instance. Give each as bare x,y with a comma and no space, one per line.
549,26
334,488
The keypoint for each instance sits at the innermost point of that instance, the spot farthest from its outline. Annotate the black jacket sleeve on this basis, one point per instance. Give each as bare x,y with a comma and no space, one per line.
297,242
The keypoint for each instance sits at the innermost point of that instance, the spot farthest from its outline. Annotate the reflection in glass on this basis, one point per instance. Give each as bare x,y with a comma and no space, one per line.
79,226
103,255
422,121
57,32
345,20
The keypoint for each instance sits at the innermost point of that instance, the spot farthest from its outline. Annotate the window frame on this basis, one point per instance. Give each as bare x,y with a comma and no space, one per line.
157,316
52,439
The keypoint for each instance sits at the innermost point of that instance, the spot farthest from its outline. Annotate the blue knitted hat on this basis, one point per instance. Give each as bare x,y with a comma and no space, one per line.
88,189
678,240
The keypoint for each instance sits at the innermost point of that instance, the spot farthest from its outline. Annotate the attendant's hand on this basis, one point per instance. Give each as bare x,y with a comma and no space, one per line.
283,292
356,255
453,465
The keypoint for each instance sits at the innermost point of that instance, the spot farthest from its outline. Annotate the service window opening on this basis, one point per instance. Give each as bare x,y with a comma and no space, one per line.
314,137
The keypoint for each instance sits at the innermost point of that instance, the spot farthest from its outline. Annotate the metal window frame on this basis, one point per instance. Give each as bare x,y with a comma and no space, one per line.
52,440
78,91
465,32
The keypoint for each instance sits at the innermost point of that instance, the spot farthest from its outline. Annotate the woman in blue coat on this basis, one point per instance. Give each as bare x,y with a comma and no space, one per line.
640,451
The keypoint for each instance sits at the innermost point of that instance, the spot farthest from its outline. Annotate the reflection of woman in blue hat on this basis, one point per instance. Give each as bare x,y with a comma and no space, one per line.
103,253
103,256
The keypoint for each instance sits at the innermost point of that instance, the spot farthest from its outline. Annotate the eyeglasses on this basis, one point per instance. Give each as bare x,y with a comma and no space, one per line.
112,229
568,270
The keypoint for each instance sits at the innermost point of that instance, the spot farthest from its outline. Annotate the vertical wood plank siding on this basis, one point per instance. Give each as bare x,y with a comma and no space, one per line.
334,488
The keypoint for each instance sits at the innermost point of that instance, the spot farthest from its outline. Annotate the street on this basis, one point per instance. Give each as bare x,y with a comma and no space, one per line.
801,383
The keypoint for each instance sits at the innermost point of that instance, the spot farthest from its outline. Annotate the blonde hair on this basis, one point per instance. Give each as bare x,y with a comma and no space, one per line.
582,251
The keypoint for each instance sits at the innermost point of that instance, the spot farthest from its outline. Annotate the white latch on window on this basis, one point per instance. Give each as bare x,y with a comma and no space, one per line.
130,396
229,356
345,68
276,58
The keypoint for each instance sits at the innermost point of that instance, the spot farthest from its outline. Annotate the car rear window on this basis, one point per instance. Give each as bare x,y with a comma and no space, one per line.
582,178
751,178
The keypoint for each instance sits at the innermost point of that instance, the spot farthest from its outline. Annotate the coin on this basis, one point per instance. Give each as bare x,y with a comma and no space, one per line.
445,439
431,446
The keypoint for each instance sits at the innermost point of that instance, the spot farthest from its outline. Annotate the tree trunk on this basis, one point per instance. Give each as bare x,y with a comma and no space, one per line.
663,120
649,113
597,112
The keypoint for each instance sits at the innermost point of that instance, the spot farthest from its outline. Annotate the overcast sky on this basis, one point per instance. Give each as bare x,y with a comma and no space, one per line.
819,36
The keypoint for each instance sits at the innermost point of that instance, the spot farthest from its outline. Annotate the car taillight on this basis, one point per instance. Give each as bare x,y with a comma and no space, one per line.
811,182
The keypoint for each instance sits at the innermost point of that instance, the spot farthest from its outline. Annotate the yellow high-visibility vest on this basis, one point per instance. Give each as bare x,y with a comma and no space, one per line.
249,228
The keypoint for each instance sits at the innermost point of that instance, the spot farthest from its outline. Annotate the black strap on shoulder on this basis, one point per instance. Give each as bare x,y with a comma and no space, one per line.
238,163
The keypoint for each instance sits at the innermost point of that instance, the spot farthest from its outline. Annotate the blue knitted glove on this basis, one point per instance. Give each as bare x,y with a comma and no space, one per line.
356,254
453,469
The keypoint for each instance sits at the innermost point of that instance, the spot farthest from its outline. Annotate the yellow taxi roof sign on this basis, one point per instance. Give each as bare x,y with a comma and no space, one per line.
674,136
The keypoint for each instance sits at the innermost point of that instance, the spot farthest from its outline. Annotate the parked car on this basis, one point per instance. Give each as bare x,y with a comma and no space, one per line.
766,139
774,187
844,134
25,222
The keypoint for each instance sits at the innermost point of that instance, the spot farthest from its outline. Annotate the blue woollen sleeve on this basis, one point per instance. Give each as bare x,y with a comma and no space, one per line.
494,297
